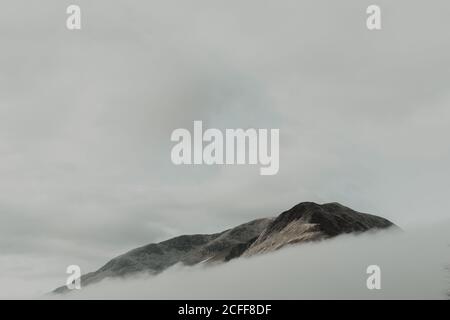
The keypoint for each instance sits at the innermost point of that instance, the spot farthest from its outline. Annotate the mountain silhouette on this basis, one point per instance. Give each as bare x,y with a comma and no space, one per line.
305,222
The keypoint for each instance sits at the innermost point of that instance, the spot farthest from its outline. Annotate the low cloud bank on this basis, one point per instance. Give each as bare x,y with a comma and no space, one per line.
413,266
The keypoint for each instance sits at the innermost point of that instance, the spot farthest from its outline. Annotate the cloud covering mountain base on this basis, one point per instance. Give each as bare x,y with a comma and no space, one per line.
413,266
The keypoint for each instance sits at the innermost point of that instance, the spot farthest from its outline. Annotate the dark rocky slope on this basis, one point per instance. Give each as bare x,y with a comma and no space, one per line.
187,249
309,221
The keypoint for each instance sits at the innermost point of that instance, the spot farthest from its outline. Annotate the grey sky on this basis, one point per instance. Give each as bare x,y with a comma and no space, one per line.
86,117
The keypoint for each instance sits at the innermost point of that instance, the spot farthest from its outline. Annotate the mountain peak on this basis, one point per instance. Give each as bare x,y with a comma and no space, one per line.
309,221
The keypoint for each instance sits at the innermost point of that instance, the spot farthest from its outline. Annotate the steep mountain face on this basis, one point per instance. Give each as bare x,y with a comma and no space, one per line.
309,221
305,222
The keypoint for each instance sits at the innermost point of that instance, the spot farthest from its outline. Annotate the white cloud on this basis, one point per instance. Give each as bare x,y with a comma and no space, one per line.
412,267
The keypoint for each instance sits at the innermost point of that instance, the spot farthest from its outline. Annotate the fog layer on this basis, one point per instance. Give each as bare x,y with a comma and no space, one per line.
413,266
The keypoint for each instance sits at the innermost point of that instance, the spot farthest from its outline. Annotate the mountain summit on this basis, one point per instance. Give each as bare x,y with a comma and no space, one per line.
307,221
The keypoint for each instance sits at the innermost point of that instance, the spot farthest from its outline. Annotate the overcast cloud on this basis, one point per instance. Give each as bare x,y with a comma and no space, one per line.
86,117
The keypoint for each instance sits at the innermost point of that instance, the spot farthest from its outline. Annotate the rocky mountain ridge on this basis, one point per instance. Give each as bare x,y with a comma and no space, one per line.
307,221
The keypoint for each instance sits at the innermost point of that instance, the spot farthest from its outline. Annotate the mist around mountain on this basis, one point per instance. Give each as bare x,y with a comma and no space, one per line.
304,222
413,265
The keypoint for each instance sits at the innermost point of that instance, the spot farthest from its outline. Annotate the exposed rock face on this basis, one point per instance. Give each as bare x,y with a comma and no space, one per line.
309,221
306,221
